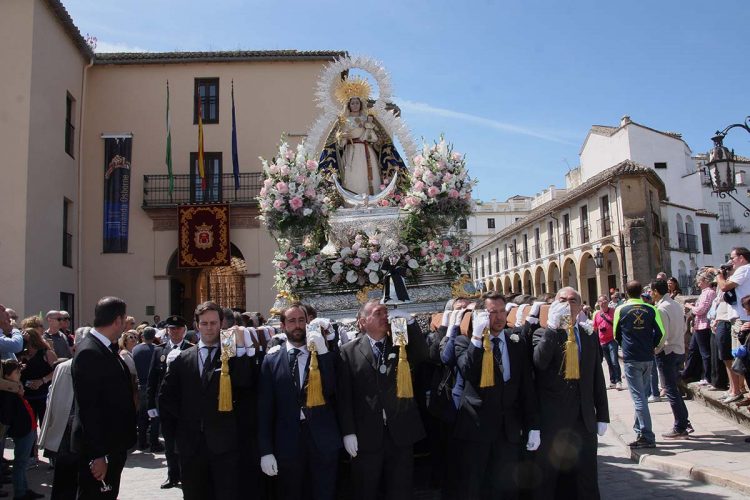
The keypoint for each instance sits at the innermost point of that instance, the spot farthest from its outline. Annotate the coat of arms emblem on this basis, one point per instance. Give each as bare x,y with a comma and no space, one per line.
204,236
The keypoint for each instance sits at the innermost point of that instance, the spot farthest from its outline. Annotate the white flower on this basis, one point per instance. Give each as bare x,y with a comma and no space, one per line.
374,278
346,252
413,264
514,337
351,277
337,268
362,253
372,266
306,212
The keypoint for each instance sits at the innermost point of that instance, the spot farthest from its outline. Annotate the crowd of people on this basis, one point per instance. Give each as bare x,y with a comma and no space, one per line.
313,408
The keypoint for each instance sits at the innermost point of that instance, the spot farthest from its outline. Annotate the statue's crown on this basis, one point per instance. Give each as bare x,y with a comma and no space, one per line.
355,87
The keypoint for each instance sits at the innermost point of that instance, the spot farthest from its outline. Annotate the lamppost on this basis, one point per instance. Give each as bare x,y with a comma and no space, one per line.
721,165
598,258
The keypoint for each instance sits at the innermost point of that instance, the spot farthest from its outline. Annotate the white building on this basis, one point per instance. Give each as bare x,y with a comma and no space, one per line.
491,217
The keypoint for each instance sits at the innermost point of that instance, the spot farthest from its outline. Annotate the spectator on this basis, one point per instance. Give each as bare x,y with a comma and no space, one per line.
142,355
722,326
638,329
55,337
11,340
603,321
670,357
674,287
700,342
18,415
662,276
39,359
13,315
126,343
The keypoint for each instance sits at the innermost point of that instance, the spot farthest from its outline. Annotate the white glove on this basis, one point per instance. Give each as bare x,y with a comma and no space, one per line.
280,337
344,336
601,428
481,322
268,465
350,444
534,440
152,413
319,341
324,323
447,318
536,308
400,313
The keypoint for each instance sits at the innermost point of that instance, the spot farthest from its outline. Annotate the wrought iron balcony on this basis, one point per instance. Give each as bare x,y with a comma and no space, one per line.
687,242
187,189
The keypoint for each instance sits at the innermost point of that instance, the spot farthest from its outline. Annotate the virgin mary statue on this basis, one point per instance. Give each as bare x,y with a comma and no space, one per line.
358,150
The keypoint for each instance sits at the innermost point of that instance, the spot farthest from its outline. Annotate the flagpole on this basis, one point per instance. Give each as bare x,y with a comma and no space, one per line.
168,156
235,153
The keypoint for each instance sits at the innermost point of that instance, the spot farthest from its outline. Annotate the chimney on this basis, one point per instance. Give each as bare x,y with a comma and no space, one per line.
624,120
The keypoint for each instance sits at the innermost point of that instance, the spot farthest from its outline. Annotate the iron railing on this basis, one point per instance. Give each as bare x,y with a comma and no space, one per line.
687,242
551,246
606,226
585,233
186,190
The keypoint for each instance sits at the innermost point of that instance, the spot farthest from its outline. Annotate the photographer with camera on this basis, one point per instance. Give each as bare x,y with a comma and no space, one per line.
739,283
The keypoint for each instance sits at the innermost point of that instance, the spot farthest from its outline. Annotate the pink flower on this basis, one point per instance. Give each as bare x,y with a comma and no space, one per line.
295,262
282,187
418,160
423,252
413,201
289,256
284,170
382,187
281,264
310,193
446,243
300,273
278,204
289,154
296,203
289,273
441,256
456,156
455,252
375,256
356,246
383,203
447,177
357,262
433,191
302,255
453,193
267,183
262,191
312,165
273,169
419,186
301,179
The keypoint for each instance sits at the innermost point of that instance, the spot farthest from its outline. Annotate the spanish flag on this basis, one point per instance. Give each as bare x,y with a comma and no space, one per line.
201,170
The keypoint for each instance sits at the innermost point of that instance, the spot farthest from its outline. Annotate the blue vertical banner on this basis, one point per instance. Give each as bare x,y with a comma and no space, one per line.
117,155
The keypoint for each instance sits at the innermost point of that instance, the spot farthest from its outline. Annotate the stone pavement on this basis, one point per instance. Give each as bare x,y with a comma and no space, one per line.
715,453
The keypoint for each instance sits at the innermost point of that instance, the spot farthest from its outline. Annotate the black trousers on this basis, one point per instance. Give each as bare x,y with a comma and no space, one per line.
699,356
567,463
489,470
390,468
207,476
65,477
311,475
148,428
719,377
169,431
89,488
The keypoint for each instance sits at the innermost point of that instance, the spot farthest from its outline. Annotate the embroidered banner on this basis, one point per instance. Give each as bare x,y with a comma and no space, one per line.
203,235
117,151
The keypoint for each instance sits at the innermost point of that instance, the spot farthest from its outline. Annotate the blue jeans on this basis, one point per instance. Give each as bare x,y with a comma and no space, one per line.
21,454
653,387
670,365
638,375
610,351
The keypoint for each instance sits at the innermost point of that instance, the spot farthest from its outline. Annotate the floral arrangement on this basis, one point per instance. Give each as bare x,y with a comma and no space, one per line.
295,267
446,255
441,184
290,200
362,262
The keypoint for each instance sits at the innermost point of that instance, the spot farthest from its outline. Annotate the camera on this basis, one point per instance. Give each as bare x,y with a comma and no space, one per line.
725,268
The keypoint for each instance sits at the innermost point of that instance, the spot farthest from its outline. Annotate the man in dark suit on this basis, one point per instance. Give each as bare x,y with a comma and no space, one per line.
573,411
207,438
379,428
162,356
104,422
490,420
297,442
143,354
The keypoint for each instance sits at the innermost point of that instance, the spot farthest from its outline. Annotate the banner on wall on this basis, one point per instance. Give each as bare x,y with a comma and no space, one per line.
117,155
203,235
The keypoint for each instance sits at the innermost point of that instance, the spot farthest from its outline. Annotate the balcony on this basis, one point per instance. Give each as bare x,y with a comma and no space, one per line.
537,251
550,246
687,243
566,240
606,226
585,233
186,190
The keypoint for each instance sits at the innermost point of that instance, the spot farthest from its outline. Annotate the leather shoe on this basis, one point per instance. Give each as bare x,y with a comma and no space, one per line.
168,484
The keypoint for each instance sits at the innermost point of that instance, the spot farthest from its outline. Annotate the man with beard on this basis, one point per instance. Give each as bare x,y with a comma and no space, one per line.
162,357
379,428
206,437
298,443
573,409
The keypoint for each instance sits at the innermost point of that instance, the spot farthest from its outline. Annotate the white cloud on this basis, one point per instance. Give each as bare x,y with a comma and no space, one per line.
102,46
420,107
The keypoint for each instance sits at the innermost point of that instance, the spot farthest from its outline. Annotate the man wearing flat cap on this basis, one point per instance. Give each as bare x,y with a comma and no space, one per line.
163,355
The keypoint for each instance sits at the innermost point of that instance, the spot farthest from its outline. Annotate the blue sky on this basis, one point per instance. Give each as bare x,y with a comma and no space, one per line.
513,84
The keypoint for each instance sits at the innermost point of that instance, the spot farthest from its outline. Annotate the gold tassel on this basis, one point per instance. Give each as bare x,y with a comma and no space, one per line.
225,385
572,370
488,363
404,388
314,382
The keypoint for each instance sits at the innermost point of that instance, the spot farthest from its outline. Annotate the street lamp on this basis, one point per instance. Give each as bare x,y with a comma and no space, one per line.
721,165
598,258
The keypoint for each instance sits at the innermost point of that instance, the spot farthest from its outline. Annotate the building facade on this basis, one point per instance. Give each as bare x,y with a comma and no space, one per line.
54,256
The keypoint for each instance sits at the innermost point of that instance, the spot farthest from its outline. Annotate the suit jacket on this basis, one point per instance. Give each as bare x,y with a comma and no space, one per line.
158,370
105,417
364,393
279,405
196,407
561,400
507,406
